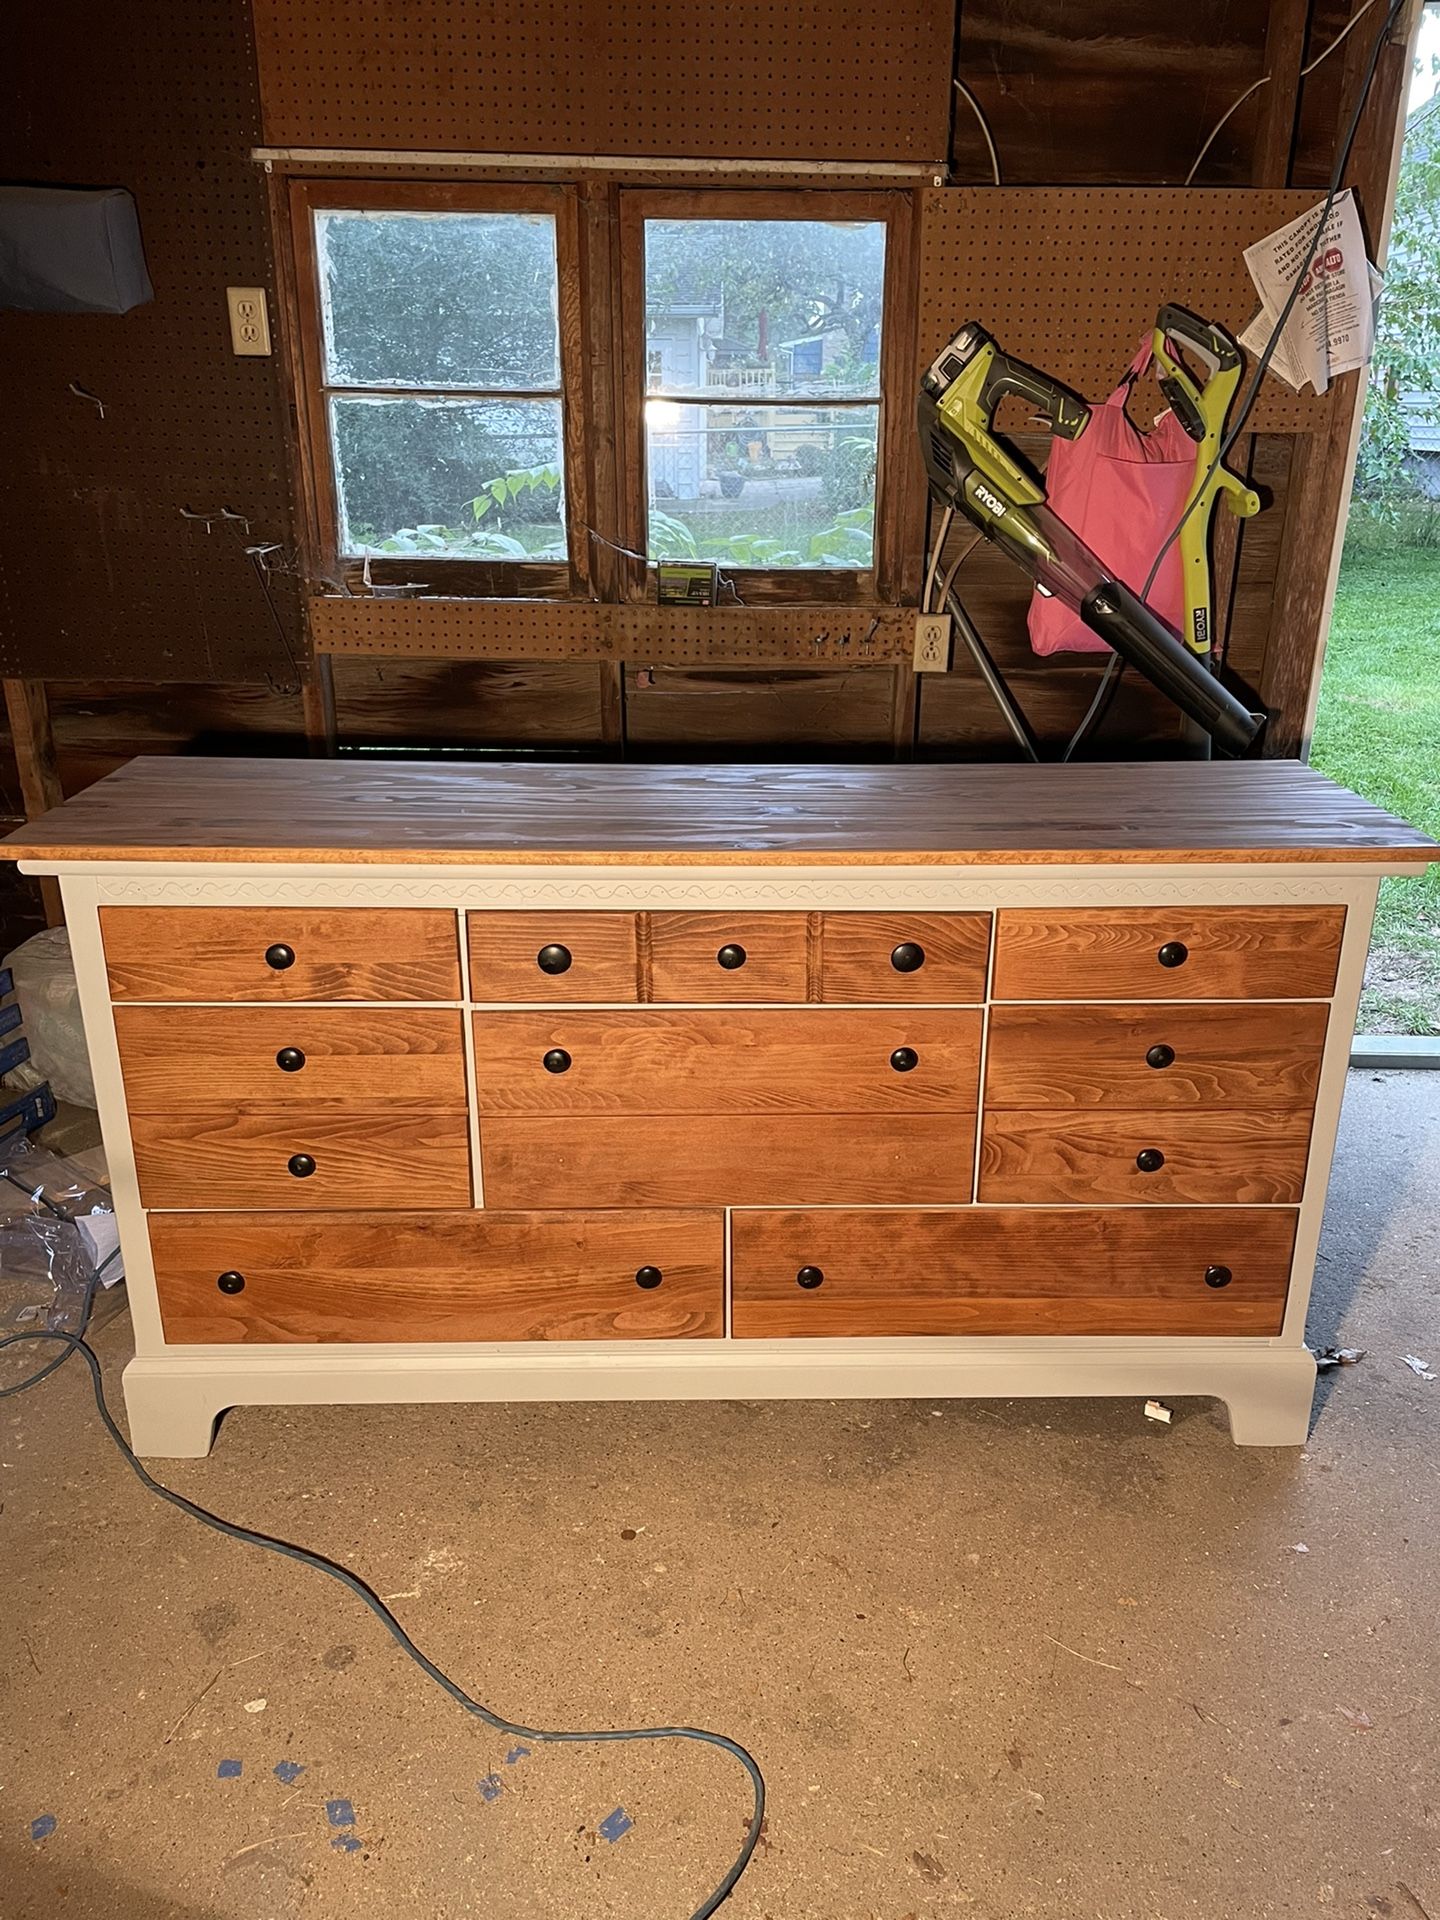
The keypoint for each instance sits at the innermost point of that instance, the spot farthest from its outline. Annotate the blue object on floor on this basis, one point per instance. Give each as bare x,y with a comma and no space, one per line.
42,1828
229,1769
615,1826
340,1813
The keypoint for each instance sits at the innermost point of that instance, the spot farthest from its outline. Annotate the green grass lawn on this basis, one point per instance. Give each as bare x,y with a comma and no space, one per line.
1378,731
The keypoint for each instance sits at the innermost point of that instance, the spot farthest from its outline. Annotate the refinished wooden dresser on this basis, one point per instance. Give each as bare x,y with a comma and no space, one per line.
425,1082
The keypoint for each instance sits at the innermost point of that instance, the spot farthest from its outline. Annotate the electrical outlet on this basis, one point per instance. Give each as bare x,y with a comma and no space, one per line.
932,642
249,320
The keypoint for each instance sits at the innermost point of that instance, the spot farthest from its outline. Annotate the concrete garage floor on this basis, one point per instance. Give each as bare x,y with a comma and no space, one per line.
996,1660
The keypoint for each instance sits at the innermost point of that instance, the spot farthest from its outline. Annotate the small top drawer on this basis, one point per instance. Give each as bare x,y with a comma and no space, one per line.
1167,953
727,956
937,958
568,958
281,953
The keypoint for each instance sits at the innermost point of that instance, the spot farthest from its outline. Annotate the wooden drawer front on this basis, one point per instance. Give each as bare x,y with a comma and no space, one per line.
218,953
1210,953
1208,1156
314,1156
685,950
934,957
998,1270
747,1160
438,1276
174,1058
1245,1056
652,1061
515,956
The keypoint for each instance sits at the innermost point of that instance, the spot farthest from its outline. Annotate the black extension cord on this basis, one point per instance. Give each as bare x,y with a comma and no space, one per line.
76,1343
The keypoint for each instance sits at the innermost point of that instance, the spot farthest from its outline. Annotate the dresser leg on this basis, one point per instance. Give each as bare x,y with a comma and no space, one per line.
1273,1409
169,1419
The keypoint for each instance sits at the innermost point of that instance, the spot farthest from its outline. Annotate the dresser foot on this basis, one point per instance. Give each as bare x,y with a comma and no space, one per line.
169,1418
1273,1408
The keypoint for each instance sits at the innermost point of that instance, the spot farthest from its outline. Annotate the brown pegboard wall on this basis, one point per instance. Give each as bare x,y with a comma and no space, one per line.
1070,278
100,574
543,630
814,79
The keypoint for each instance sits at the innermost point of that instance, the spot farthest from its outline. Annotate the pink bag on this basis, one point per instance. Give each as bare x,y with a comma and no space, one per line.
1122,491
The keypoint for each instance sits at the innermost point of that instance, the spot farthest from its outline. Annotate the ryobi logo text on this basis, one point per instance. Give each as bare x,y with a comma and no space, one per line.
990,500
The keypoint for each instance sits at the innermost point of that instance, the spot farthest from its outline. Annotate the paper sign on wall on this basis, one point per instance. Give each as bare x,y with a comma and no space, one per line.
1331,328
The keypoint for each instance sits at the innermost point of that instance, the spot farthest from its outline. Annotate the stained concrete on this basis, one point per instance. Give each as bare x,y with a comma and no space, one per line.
997,1660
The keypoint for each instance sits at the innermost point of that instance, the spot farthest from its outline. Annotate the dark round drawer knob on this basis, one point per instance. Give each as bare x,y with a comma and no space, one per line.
648,1277
290,1059
554,959
279,956
904,1060
908,957
1218,1276
556,1061
231,1283
731,958
809,1277
302,1165
1174,953
1161,1056
1149,1160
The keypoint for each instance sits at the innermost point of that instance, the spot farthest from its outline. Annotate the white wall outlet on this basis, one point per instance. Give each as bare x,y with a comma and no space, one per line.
932,642
249,320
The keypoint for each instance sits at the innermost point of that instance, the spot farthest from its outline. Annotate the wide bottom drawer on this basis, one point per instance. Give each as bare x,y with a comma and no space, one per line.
729,1159
256,1277
994,1270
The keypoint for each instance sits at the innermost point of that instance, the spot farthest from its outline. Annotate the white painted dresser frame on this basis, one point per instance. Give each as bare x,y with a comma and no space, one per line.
174,1394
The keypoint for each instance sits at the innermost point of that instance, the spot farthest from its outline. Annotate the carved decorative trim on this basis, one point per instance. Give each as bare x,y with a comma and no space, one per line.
834,889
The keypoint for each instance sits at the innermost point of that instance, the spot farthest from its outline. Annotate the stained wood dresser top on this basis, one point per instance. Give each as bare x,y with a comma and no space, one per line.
371,811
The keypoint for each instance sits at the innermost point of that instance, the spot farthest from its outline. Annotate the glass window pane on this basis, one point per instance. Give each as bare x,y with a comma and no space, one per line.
764,306
439,299
477,480
758,486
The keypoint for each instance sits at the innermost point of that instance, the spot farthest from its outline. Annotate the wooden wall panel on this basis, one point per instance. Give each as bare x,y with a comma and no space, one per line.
99,726
812,79
102,574
689,713
393,703
1119,91
1259,559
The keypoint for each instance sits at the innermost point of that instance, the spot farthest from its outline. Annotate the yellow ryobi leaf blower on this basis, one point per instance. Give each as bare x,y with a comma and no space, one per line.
973,471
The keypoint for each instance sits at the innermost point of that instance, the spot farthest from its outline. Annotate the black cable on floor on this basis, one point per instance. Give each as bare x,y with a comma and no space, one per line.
76,1343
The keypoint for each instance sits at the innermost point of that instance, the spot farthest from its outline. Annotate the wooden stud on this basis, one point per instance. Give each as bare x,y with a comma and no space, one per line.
1285,36
1324,468
612,704
904,711
317,698
33,743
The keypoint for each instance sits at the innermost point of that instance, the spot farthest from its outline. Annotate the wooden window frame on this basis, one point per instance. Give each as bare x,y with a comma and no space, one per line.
488,579
599,238
881,583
